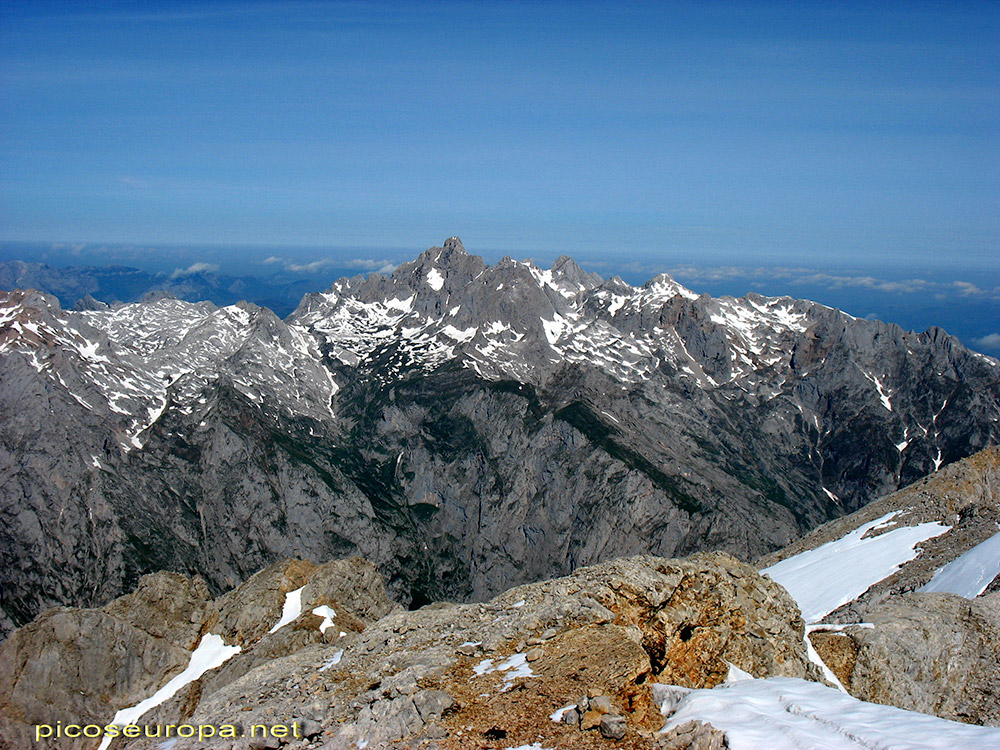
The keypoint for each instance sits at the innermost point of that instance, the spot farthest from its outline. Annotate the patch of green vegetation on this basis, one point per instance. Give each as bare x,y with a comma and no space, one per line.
296,453
583,418
768,487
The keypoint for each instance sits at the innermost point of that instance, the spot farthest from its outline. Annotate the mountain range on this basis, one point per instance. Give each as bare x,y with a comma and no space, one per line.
465,427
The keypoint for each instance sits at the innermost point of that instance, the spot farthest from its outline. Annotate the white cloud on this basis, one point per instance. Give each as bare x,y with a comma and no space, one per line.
907,286
725,273
989,341
313,267
363,264
967,289
379,266
193,269
75,248
690,273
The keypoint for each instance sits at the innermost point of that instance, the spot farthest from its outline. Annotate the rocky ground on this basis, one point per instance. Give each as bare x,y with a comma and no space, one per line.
453,675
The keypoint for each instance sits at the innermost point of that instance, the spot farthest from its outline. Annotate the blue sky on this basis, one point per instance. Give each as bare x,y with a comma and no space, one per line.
856,140
770,130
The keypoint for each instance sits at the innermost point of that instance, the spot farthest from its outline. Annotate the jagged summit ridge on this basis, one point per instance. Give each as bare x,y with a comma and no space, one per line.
517,320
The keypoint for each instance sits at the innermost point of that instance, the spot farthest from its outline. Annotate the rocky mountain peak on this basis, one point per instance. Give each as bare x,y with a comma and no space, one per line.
158,294
87,302
665,284
433,274
29,299
452,251
568,269
453,245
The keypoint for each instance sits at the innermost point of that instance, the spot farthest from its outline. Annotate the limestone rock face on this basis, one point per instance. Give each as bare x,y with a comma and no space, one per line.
245,614
568,662
165,605
83,665
895,644
934,653
351,588
77,666
695,615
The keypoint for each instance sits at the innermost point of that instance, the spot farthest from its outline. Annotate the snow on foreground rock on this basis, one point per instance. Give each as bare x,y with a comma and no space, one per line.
212,652
783,713
902,588
580,662
969,575
858,561
491,675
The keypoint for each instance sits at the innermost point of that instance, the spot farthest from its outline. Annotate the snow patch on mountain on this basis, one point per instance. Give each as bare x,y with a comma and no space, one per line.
434,279
290,611
211,652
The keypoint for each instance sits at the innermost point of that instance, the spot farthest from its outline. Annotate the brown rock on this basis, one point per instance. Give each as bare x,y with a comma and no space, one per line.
601,704
693,735
534,654
612,660
245,614
591,720
838,651
165,605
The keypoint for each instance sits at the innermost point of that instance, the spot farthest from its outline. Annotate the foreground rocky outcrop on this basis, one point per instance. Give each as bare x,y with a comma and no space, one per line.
593,659
321,656
461,675
909,639
934,653
464,675
79,666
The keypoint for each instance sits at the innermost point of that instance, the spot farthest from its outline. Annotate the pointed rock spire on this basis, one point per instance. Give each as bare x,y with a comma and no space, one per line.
454,245
567,268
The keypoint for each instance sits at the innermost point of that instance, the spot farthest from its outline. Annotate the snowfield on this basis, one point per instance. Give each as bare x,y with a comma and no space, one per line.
969,574
784,713
835,573
212,652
